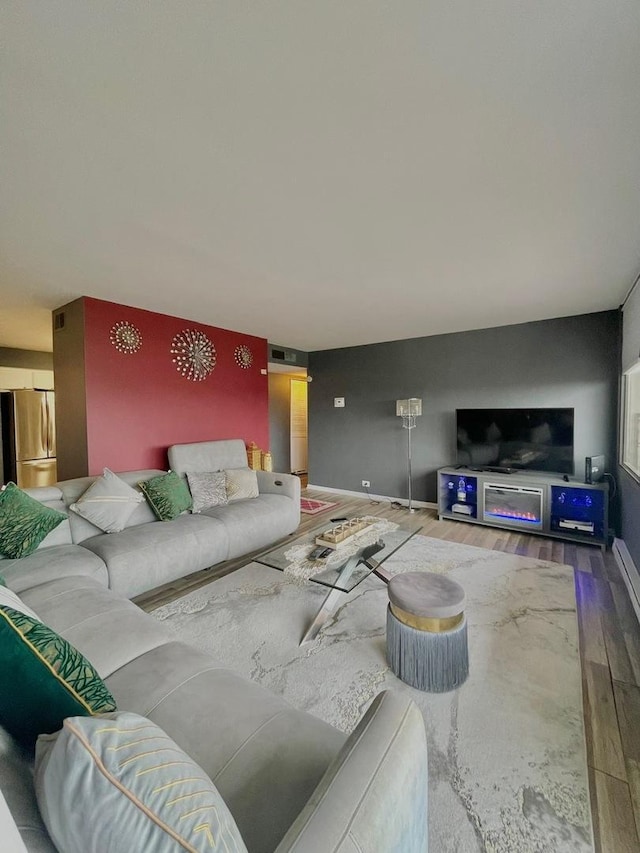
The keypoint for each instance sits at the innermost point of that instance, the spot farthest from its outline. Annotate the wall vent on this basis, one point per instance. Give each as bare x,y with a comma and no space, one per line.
58,321
284,355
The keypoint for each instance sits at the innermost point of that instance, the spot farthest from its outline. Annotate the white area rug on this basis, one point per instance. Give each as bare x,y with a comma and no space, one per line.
507,761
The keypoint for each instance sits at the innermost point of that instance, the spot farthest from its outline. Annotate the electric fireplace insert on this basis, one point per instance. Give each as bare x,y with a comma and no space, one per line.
520,506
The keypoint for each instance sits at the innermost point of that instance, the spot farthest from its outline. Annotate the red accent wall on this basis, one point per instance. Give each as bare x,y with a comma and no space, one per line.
138,404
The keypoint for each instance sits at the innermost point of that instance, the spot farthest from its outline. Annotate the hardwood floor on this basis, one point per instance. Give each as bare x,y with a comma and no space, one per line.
609,652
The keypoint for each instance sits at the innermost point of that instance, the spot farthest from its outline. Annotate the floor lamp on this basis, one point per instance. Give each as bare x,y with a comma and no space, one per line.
409,410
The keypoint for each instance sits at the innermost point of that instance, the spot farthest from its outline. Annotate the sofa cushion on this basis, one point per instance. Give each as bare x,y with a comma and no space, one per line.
207,489
168,495
47,564
208,455
85,613
24,522
255,523
242,483
144,557
9,832
246,739
142,791
108,503
16,781
43,679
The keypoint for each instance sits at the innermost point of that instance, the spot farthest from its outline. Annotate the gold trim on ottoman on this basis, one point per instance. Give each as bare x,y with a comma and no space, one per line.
433,625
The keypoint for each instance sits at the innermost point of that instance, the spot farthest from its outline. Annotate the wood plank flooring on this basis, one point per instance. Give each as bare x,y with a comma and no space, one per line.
609,652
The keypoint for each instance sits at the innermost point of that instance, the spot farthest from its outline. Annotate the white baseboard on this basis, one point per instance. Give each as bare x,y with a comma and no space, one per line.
629,572
403,501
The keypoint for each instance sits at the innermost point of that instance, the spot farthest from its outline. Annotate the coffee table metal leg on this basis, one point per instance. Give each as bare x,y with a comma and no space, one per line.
378,571
330,603
327,610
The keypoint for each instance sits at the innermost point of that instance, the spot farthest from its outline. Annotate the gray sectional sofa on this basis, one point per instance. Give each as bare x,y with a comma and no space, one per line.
148,552
291,782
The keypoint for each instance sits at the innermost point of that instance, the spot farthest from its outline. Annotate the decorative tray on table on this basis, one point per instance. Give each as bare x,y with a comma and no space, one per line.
338,535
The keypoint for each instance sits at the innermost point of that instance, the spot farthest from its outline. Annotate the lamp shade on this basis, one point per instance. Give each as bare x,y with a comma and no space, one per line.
409,408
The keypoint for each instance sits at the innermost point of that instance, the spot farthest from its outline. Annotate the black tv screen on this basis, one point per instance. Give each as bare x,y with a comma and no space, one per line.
516,439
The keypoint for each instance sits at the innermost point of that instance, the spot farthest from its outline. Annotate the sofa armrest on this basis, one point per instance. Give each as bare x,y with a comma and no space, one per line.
373,797
279,484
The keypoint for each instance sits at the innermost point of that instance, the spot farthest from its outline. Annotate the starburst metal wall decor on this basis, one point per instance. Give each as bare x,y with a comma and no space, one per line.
194,354
125,337
243,356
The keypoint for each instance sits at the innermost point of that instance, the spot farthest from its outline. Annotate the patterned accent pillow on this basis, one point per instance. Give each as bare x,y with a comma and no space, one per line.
108,503
43,679
141,790
207,489
168,495
241,483
24,522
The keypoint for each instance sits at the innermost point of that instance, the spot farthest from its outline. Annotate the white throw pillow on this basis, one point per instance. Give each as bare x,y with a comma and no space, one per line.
8,598
108,503
241,483
118,782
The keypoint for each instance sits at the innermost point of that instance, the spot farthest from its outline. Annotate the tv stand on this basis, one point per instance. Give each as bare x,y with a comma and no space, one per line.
548,504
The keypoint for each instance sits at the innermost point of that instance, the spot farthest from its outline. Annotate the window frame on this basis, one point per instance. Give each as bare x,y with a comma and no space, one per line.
629,375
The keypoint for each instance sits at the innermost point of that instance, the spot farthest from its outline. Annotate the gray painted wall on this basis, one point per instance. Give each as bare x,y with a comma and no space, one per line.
629,486
71,401
570,362
30,359
280,421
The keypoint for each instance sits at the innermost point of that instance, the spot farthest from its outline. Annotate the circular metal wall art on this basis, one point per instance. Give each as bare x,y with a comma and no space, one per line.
243,356
125,337
194,354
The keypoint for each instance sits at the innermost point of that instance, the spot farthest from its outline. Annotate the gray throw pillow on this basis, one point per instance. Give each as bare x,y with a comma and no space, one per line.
120,777
207,489
241,483
108,503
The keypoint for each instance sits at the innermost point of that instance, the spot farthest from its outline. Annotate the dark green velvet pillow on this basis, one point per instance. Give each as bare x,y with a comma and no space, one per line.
43,679
24,522
168,495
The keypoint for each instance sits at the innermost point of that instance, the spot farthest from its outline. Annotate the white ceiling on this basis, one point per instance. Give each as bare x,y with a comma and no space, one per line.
319,173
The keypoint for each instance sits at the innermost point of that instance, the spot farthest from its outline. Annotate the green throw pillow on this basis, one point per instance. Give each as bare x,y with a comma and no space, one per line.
24,522
43,679
168,495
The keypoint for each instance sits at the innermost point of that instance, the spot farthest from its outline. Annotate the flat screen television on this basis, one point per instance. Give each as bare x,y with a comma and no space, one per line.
516,439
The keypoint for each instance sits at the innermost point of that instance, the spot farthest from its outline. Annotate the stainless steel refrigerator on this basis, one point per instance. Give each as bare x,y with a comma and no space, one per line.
28,438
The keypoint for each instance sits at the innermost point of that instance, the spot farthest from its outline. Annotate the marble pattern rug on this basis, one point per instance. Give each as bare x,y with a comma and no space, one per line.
507,759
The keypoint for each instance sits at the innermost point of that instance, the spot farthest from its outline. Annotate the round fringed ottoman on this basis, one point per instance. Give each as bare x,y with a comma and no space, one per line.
427,631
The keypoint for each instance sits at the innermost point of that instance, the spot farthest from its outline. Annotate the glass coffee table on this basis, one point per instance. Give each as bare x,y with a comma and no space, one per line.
346,567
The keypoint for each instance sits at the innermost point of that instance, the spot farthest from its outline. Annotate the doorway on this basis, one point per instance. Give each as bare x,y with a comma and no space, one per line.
288,419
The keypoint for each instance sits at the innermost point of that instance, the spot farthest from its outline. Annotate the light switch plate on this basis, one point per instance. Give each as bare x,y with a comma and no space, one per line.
338,402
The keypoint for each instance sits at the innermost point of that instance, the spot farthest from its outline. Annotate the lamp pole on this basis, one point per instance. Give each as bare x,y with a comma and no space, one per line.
408,423
408,411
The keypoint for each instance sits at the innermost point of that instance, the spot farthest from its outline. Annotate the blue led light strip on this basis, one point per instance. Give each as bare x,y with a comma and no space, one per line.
515,518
